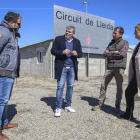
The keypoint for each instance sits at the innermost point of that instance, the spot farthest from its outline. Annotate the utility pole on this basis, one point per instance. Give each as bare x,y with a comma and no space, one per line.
86,5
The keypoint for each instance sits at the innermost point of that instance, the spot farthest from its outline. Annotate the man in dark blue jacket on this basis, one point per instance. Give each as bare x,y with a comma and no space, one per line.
66,49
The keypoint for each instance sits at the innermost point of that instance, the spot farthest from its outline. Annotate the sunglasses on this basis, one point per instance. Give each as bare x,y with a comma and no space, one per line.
19,24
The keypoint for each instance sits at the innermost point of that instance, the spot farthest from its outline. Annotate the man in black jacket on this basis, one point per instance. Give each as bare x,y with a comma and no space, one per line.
66,49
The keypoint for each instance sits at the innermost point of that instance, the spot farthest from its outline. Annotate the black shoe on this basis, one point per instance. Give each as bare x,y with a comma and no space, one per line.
126,116
138,126
117,110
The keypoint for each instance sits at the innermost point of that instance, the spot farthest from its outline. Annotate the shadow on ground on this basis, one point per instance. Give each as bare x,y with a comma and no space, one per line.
108,109
11,111
50,101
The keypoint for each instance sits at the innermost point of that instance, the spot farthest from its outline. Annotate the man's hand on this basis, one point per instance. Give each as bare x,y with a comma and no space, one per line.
66,51
107,51
116,51
74,53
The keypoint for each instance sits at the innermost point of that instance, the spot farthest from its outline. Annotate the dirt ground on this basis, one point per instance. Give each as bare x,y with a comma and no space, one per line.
32,106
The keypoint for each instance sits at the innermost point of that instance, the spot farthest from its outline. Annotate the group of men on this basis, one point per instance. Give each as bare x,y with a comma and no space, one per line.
66,49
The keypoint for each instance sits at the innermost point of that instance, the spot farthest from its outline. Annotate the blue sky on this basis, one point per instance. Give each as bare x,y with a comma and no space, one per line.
37,24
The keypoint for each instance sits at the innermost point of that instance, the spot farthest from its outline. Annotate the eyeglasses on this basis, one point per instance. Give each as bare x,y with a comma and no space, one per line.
19,24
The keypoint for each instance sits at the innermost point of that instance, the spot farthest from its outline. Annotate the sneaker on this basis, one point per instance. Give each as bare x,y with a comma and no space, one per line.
126,116
57,112
99,106
69,109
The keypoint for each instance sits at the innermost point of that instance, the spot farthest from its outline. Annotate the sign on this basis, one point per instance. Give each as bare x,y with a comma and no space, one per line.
94,32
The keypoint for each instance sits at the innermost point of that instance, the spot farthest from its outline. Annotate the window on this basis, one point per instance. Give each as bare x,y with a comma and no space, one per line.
40,56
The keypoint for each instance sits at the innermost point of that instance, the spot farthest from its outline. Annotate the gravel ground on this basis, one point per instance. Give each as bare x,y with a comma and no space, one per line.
33,102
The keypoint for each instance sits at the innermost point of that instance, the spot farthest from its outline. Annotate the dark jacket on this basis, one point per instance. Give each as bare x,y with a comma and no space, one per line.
17,35
57,50
117,63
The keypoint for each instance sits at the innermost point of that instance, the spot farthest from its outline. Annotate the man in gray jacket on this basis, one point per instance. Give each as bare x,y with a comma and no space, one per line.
8,65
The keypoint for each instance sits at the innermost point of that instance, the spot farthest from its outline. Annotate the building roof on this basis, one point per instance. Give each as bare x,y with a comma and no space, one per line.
132,46
37,43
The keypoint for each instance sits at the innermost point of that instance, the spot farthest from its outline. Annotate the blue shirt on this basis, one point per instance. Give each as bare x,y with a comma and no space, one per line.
69,58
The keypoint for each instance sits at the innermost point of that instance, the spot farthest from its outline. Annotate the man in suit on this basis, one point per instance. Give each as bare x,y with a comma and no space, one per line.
66,50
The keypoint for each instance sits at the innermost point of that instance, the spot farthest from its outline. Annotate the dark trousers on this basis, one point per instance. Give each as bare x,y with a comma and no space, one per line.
130,92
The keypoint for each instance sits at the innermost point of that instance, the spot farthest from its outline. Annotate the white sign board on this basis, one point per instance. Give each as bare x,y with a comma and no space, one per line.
94,32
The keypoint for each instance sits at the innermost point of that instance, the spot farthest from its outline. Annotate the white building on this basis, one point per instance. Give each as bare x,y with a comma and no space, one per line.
37,61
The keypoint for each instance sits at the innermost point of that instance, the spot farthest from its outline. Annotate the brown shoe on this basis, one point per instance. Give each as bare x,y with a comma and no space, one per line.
99,106
9,125
2,136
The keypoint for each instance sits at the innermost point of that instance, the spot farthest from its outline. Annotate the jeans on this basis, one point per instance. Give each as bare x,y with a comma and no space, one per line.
70,75
118,74
6,85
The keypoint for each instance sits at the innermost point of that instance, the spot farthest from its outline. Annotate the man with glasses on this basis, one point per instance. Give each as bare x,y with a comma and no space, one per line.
8,65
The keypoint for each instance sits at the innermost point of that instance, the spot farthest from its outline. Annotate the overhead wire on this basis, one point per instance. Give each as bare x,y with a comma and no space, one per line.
27,8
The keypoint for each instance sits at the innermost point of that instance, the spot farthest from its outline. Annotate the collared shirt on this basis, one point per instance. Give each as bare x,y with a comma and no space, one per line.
119,54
